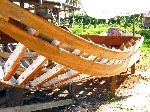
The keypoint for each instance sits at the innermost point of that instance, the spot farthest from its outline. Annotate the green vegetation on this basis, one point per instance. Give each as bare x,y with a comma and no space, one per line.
84,24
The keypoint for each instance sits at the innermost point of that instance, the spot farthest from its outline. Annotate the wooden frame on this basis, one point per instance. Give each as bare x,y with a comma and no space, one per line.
86,55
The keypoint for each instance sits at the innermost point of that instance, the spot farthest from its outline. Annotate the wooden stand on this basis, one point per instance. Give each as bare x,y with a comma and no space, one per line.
133,69
113,85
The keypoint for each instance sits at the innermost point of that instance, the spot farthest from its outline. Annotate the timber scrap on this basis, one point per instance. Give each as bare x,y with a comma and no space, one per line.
44,56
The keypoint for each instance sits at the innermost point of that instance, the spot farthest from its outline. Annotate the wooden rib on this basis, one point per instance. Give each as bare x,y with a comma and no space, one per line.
64,58
74,79
128,44
122,47
50,30
132,42
12,63
138,44
26,56
62,81
133,59
31,71
66,76
61,77
50,74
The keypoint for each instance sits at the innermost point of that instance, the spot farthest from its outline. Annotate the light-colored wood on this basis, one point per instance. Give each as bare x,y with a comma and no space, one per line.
64,58
73,79
50,30
63,81
50,74
61,77
12,63
133,59
68,75
59,48
39,106
31,71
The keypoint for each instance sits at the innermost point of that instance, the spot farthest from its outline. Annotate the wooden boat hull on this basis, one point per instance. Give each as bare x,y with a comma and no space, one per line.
62,56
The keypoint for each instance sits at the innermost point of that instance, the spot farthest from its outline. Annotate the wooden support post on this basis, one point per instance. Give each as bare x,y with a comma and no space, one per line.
71,88
113,85
133,69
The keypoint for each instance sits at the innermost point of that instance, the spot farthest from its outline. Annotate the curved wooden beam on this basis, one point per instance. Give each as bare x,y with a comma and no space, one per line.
67,59
52,31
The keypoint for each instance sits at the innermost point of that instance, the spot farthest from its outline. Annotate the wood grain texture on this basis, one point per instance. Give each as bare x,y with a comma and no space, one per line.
31,71
12,63
62,57
50,30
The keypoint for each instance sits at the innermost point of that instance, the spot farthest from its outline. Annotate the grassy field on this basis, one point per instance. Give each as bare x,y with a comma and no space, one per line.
90,30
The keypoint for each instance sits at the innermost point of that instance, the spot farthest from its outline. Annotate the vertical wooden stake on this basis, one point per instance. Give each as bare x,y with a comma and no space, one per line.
133,69
113,85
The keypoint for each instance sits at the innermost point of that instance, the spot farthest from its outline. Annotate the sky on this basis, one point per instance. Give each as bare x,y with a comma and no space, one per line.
104,9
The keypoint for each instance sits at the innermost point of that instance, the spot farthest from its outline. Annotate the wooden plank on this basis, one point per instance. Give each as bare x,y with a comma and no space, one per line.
63,82
133,59
12,63
52,31
31,71
64,58
68,75
74,79
61,77
50,74
39,106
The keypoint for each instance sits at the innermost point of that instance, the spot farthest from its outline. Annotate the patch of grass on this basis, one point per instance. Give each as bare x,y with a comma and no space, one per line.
90,30
146,45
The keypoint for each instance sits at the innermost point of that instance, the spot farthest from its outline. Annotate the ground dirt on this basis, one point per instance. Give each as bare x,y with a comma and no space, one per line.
94,95
132,94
